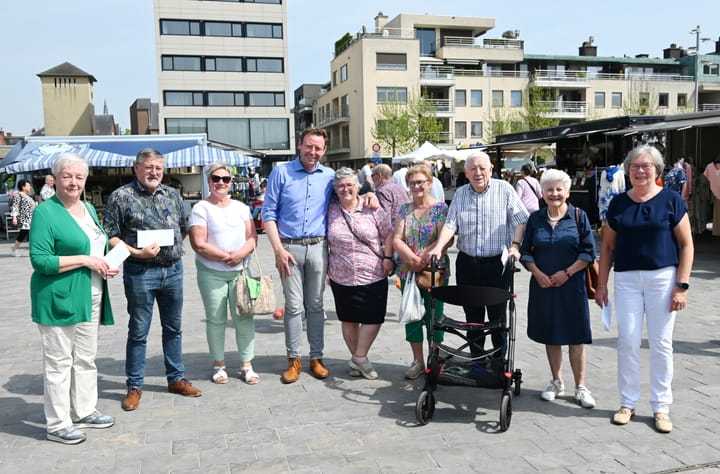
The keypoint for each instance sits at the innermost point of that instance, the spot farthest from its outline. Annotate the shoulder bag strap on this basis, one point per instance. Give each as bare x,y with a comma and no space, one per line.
347,221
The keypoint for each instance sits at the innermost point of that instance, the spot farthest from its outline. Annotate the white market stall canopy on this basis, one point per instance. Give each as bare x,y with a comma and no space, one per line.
428,151
38,153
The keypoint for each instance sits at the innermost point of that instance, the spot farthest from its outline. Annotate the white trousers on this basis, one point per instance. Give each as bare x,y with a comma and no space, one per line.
645,293
70,379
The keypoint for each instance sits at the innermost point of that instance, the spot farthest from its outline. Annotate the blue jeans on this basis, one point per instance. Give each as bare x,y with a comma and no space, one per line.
303,290
143,286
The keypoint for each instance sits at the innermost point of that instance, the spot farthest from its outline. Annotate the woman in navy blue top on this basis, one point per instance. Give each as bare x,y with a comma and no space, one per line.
648,239
556,249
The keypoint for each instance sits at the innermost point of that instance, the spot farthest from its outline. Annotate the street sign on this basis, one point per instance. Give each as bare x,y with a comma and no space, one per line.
376,147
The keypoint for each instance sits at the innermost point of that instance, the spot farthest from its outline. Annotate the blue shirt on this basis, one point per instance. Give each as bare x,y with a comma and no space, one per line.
297,200
645,238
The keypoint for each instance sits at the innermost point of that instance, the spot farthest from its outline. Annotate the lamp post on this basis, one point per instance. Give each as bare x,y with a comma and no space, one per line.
696,31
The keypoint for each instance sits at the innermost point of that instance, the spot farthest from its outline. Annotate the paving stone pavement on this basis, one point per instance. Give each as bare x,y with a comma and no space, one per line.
347,424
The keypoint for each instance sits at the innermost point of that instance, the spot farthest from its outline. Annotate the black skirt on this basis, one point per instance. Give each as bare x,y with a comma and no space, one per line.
365,304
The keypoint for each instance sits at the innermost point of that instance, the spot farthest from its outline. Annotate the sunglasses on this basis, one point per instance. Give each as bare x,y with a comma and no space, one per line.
216,179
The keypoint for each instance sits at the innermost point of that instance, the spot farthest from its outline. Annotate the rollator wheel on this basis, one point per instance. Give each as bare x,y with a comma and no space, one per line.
505,411
425,407
517,380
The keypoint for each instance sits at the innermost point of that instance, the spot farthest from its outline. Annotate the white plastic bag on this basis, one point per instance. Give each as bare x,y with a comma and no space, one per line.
412,306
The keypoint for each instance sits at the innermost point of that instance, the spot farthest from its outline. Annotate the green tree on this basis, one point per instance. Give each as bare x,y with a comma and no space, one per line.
538,105
641,100
403,126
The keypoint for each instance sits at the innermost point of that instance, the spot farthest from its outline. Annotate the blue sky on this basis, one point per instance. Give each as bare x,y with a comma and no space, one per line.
114,39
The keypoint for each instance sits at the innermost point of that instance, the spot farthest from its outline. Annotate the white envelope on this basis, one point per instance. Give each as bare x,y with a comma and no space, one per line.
163,237
607,316
117,255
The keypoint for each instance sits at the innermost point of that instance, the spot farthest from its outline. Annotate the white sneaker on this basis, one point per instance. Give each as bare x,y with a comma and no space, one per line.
583,397
16,252
414,371
553,390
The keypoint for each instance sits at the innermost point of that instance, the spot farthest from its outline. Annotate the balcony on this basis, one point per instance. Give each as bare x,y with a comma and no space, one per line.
437,76
443,107
343,116
337,146
566,109
706,107
560,79
602,76
445,138
463,48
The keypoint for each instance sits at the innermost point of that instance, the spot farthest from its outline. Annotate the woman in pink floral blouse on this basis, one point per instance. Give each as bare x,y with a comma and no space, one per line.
360,260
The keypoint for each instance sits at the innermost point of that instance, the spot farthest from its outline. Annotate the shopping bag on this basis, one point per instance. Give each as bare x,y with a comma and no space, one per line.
255,295
412,306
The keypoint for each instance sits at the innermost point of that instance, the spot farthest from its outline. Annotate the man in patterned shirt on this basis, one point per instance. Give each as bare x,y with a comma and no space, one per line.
151,273
488,217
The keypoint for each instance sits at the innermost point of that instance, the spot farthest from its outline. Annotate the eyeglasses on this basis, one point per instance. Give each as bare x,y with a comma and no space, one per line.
643,166
216,179
344,186
420,182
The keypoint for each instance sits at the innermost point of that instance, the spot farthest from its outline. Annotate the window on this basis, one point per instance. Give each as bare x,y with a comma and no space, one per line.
266,99
664,100
600,100
185,125
460,98
179,27
427,41
392,94
476,98
264,65
224,64
392,61
711,69
516,98
644,99
186,98
335,76
217,99
682,99
343,73
476,130
497,98
460,129
213,28
263,30
616,100
181,63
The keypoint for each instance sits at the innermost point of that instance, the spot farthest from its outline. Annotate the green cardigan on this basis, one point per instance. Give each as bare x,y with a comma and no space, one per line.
61,299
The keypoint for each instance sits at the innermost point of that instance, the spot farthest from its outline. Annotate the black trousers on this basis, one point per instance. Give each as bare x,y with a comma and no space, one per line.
484,271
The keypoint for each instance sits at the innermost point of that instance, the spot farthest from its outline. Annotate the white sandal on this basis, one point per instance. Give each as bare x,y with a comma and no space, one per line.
219,375
249,376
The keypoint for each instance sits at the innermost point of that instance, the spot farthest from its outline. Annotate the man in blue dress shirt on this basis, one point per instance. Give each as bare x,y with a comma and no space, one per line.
294,213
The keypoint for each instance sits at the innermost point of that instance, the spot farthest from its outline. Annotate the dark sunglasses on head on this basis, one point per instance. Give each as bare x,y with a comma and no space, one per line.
216,179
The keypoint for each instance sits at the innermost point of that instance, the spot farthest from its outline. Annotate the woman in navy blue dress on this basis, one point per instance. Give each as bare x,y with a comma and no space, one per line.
556,249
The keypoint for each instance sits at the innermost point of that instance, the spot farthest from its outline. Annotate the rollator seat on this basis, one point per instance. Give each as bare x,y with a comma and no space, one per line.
465,295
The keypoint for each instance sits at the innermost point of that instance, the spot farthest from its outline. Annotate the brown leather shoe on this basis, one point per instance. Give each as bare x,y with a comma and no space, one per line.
293,371
318,370
184,387
132,399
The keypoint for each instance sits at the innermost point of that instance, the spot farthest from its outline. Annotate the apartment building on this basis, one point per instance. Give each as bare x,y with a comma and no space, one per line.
473,79
223,71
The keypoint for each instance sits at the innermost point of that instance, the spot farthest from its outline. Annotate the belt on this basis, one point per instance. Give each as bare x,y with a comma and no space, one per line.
305,241
152,264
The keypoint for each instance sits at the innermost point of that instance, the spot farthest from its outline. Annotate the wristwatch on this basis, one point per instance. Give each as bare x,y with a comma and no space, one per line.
682,285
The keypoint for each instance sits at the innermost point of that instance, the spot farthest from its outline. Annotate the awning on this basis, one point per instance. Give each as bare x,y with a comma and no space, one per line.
669,125
202,155
180,150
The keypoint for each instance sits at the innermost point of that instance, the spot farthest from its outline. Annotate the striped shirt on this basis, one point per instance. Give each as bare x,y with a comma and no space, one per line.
484,222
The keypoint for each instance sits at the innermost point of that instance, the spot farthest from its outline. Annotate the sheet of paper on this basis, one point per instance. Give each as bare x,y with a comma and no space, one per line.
607,316
163,237
504,257
117,255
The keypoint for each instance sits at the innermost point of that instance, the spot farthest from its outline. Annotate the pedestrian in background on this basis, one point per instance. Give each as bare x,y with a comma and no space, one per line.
21,210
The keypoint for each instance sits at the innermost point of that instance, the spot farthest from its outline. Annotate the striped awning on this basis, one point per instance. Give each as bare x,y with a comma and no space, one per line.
201,155
95,159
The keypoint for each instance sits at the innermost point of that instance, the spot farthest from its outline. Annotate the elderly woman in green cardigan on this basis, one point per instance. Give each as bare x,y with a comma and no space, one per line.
69,297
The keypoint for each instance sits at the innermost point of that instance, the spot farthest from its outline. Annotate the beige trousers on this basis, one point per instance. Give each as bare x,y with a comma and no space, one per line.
70,375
